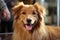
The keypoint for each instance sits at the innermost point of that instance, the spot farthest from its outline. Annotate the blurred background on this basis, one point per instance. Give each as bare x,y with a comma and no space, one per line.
52,13
52,17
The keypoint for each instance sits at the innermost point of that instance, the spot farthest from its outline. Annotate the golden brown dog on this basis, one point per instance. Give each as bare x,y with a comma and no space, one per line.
29,24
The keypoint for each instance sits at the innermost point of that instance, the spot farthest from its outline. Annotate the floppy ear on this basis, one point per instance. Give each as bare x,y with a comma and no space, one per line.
16,8
40,9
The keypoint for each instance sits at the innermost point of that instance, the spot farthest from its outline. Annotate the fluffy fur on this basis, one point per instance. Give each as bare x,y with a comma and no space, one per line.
39,31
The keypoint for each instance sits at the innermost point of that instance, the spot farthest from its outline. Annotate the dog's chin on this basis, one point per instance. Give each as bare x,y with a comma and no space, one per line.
28,26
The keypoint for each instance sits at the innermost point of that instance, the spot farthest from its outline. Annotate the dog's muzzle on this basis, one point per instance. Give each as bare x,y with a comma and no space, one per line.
29,26
30,22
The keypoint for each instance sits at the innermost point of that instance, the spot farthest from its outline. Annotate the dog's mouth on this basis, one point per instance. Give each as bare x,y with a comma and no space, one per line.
29,27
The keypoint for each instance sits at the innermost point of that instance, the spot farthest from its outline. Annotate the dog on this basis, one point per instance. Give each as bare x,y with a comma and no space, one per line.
29,23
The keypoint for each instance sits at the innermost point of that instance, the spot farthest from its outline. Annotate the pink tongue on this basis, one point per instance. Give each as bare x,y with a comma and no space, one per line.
28,27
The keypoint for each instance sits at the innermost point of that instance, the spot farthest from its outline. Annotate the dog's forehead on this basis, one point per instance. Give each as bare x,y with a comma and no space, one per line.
28,7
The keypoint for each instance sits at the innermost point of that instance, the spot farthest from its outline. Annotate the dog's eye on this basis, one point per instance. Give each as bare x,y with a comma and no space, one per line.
33,13
23,13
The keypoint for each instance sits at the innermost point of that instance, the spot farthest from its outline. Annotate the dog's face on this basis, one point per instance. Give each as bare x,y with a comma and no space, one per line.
29,15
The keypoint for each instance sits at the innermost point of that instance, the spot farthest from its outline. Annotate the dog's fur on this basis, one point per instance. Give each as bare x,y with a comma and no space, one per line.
39,31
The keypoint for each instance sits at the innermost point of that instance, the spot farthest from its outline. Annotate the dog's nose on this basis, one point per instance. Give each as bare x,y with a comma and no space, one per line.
29,20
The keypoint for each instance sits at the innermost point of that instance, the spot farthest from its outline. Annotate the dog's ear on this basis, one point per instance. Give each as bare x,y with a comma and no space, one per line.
40,9
16,8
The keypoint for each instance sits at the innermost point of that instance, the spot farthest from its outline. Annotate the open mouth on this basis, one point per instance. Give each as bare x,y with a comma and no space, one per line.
29,27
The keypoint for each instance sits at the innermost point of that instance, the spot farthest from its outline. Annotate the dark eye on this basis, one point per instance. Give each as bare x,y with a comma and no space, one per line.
33,13
23,13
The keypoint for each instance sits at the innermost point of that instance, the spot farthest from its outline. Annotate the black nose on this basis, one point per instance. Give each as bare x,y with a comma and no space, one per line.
29,20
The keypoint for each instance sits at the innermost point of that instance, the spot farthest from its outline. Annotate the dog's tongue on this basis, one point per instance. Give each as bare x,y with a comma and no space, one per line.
29,27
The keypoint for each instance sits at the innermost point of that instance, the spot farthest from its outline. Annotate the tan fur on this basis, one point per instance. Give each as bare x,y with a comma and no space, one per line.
42,32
